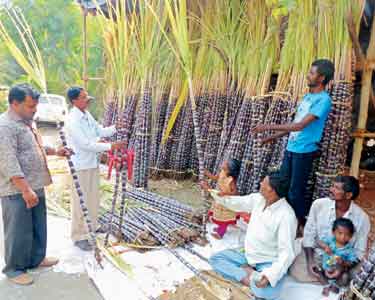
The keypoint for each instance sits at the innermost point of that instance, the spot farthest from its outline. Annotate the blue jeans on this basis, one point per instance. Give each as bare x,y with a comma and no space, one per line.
297,167
228,264
25,234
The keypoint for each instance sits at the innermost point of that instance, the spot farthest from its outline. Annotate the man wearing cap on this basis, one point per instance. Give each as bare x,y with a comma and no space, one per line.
84,137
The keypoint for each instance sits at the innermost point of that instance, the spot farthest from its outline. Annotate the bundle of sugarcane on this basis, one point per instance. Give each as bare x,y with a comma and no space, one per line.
222,28
363,283
261,153
215,129
286,108
164,154
139,225
335,139
109,115
252,157
261,32
176,140
184,150
242,128
161,111
164,203
130,230
234,103
244,182
203,111
143,141
165,239
127,119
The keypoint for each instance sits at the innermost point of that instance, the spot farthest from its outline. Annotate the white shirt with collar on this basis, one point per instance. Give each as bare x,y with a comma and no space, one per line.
320,220
270,234
83,134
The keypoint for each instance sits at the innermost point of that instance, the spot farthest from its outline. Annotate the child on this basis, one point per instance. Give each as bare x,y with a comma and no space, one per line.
226,184
339,255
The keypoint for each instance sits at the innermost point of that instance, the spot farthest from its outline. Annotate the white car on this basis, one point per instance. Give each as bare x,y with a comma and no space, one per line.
51,108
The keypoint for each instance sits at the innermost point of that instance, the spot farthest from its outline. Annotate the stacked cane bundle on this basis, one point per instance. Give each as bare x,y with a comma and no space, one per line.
363,284
143,142
110,112
161,111
214,130
163,162
234,103
152,217
184,150
335,139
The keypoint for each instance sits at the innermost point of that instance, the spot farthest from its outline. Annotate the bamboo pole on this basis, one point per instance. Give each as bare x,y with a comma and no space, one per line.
365,99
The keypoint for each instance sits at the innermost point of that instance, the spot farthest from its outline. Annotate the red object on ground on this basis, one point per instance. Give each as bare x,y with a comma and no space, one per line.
115,161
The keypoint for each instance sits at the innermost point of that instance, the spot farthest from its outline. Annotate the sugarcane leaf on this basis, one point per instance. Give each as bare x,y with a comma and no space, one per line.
116,260
29,60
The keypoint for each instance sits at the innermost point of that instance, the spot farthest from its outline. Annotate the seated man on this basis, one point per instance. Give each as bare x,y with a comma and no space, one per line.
269,243
323,212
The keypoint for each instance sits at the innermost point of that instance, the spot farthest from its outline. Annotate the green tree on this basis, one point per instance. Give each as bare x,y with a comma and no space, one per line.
57,29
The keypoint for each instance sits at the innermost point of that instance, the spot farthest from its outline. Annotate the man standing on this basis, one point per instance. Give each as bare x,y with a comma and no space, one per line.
344,190
269,243
305,134
83,135
23,176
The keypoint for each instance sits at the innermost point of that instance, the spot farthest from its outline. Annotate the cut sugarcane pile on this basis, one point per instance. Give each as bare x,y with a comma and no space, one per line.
151,218
363,284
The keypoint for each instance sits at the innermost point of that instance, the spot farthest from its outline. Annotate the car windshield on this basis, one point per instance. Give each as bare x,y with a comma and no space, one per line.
51,100
43,100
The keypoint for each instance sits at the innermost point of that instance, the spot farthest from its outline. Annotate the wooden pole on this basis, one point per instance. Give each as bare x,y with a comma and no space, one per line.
85,76
364,105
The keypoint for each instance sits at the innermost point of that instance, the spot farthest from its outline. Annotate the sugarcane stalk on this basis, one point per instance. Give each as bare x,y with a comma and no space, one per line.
82,202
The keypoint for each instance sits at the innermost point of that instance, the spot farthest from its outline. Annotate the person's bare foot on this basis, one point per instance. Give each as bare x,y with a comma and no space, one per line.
246,280
249,270
49,262
334,289
299,233
216,235
22,279
326,291
322,280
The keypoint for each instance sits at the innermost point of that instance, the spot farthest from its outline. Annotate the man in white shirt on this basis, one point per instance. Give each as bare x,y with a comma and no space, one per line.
84,137
269,243
323,212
